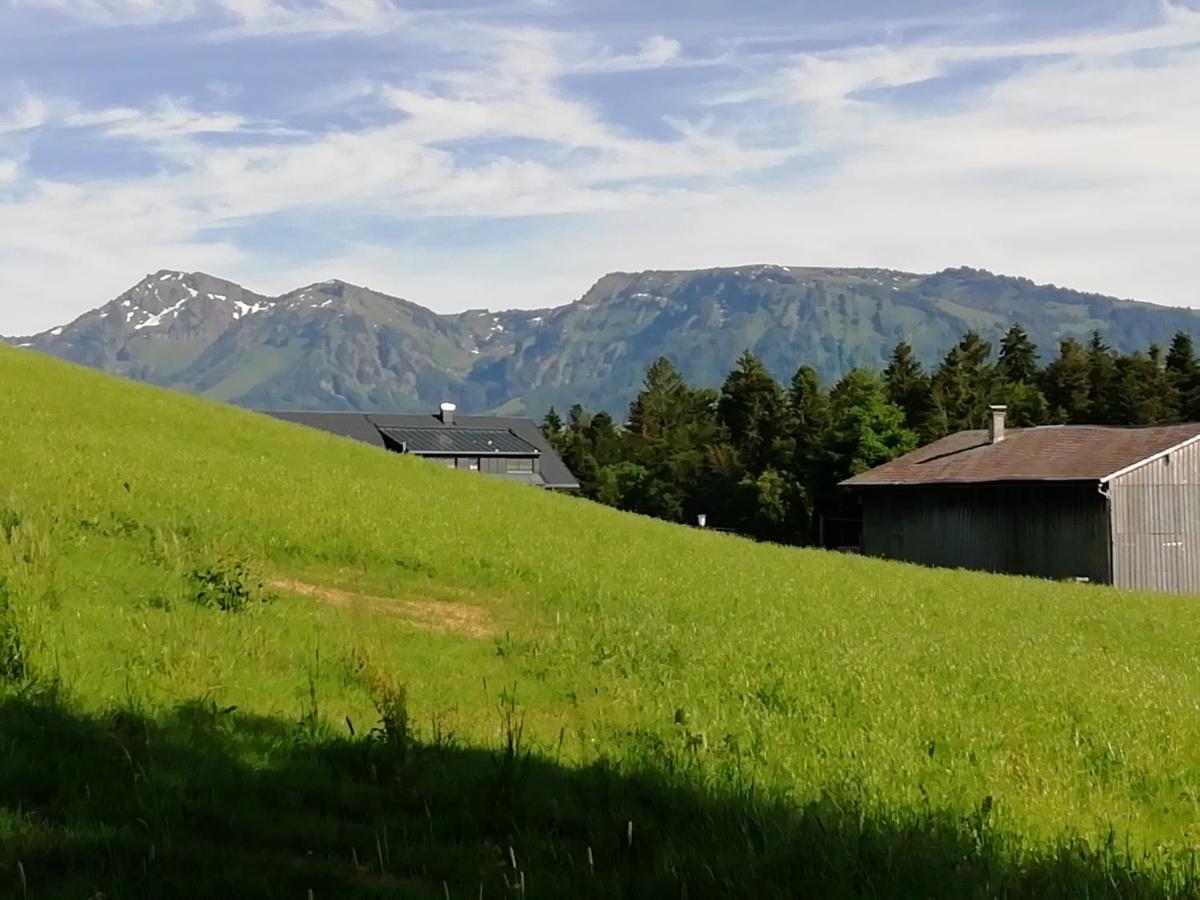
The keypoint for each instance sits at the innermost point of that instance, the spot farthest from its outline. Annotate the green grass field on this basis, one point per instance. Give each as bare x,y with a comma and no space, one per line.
458,687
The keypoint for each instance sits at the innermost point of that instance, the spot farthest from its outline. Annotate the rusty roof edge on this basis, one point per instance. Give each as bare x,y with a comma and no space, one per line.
854,482
1149,459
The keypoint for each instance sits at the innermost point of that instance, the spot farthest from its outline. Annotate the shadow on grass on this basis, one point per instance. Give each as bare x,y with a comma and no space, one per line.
206,803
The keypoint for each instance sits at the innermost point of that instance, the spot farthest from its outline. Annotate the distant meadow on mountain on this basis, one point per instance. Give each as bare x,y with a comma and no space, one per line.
337,346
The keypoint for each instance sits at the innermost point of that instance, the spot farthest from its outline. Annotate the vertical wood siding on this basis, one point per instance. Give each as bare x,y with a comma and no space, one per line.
1046,530
1156,524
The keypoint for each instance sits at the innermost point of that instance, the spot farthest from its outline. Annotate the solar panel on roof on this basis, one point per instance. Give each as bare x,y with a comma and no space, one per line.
467,441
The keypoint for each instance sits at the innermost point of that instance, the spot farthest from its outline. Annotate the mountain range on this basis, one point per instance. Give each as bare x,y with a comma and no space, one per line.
336,346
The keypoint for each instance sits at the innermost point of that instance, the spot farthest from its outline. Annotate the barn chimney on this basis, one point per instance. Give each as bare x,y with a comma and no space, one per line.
447,413
996,423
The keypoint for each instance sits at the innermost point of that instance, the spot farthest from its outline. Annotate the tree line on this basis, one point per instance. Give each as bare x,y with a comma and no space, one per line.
764,459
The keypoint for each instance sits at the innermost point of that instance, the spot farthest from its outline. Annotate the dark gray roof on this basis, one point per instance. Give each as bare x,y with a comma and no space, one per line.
458,439
366,427
1046,453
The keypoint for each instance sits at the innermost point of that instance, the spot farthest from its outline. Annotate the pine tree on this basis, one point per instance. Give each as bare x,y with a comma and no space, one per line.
808,417
1102,373
1184,373
1181,355
604,439
1163,404
751,408
552,428
909,387
671,426
1142,393
575,449
663,405
964,385
1067,383
1018,357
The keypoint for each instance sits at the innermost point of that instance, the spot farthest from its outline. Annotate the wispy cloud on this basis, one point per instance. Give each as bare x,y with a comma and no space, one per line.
516,159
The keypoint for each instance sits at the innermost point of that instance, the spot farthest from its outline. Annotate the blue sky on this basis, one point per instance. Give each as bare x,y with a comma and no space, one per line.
465,154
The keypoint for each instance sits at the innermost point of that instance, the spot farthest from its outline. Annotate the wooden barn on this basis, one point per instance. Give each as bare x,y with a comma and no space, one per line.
1111,505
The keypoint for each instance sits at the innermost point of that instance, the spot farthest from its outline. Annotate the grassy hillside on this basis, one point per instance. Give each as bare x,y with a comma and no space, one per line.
452,686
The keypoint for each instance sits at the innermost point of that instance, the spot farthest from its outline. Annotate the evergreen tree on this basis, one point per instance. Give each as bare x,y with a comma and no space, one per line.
1067,383
671,426
664,405
909,387
766,462
575,449
1181,356
603,438
552,428
808,406
751,408
964,385
1163,404
809,418
1142,393
1102,373
1017,363
1184,373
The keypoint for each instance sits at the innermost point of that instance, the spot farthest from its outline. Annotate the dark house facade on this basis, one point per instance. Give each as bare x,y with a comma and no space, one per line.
506,446
1115,506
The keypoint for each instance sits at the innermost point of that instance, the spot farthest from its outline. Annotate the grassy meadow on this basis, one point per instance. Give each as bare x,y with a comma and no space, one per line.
242,658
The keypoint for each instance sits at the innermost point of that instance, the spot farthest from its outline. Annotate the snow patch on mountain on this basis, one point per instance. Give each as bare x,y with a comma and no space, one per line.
155,321
241,310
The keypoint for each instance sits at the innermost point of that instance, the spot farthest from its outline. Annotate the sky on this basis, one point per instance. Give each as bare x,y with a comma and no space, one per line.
464,154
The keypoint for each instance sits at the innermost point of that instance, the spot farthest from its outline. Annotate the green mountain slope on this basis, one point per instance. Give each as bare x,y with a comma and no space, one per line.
462,685
336,346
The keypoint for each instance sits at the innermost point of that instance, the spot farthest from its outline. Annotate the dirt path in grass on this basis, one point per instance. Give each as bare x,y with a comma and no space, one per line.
428,615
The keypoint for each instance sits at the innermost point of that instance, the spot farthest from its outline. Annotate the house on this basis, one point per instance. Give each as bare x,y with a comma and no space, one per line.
1111,505
506,446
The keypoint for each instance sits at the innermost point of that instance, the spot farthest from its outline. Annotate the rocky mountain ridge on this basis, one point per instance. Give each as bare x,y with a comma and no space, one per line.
335,345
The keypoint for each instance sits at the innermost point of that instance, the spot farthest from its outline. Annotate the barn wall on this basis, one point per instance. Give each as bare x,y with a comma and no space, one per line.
1156,524
1047,530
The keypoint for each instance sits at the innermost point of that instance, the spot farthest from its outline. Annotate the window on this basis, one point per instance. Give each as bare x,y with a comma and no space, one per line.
520,466
469,462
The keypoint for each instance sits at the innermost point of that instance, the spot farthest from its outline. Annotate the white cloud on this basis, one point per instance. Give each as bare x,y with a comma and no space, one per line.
168,118
1074,164
653,53
235,18
24,114
833,77
258,17
114,12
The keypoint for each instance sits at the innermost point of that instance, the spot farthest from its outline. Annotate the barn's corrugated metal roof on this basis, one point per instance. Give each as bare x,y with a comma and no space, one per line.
1048,453
475,441
365,427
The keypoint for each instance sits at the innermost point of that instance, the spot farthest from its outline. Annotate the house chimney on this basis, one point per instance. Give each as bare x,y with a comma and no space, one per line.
447,413
996,423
